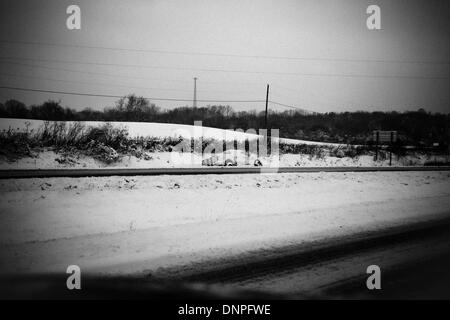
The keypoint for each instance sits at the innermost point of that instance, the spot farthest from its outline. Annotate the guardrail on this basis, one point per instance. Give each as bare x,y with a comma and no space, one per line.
52,173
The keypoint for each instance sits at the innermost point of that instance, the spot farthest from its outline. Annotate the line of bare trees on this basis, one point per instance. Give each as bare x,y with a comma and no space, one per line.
414,127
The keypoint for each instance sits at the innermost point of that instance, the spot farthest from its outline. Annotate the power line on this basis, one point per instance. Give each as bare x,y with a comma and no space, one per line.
285,105
86,72
106,85
153,98
116,96
225,54
146,78
149,98
337,75
88,83
115,75
291,107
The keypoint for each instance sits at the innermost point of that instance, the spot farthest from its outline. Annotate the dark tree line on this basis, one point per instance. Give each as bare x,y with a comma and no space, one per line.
414,127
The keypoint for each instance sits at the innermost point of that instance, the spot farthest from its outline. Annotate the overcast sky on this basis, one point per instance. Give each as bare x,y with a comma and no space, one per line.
217,41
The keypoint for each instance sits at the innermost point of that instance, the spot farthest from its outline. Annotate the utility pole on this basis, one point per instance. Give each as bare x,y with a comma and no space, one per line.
267,103
267,128
194,103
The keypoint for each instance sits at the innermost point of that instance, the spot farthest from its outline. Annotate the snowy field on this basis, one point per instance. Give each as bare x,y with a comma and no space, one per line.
48,159
151,129
144,225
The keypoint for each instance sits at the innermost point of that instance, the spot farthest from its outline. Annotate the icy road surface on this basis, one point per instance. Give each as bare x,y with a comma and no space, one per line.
146,225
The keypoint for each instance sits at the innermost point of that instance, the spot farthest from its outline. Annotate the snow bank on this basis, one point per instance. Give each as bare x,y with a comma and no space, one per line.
152,129
141,224
51,160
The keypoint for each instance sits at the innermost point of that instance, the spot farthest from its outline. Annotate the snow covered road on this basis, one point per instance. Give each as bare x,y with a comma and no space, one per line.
149,225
